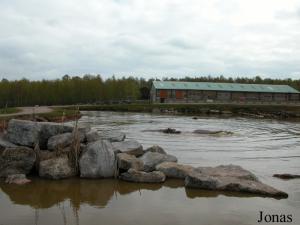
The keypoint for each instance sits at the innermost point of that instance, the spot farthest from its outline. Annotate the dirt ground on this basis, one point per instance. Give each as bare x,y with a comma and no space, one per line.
30,110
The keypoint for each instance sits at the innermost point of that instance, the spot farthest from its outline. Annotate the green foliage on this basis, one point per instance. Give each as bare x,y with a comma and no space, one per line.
67,91
9,110
91,89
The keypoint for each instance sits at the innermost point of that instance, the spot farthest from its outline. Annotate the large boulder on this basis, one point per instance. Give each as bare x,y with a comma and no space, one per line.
152,159
174,170
17,179
229,178
98,160
227,171
64,140
28,133
126,162
143,177
5,144
130,147
112,135
17,160
56,168
156,148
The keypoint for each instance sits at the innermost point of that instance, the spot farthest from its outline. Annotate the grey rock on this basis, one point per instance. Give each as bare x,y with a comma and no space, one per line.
152,159
126,162
5,144
59,141
287,176
198,180
17,179
174,170
212,132
156,148
28,133
143,177
98,161
92,136
230,178
227,171
112,136
56,168
17,160
130,147
64,140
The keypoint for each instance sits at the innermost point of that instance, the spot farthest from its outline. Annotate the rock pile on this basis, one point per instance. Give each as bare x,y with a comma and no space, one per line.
48,148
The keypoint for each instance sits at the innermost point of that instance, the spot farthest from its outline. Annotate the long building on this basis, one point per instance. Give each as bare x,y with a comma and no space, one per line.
193,92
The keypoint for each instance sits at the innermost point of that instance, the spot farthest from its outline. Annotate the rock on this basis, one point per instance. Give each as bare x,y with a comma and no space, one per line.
197,180
112,136
156,148
227,171
56,168
126,161
130,147
143,177
174,170
92,136
59,141
152,159
286,176
171,131
98,161
45,155
229,178
212,132
17,179
64,140
17,160
5,144
28,133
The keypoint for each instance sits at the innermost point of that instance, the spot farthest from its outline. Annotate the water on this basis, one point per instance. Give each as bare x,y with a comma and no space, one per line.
264,147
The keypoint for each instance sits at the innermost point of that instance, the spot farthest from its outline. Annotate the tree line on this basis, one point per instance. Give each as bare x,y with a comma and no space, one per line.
93,89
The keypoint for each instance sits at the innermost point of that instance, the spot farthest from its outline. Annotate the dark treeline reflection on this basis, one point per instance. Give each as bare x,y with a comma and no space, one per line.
94,89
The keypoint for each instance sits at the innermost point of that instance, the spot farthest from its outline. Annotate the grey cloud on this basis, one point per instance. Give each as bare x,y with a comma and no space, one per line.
46,39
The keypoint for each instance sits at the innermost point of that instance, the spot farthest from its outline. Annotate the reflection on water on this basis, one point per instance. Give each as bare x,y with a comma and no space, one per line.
262,146
43,194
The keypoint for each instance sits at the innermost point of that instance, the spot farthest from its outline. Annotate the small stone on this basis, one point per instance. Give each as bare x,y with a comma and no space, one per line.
17,179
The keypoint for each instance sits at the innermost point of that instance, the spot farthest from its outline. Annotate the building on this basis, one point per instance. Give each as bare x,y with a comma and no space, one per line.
193,92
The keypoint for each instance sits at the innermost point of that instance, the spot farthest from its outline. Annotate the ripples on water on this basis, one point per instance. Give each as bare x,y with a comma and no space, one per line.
255,144
263,146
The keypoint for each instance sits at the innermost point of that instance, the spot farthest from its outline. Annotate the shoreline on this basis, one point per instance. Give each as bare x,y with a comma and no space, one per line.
263,111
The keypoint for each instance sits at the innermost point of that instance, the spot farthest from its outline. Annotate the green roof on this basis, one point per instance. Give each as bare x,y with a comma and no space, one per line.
210,86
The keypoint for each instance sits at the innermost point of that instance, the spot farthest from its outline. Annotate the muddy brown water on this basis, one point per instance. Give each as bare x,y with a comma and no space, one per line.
264,147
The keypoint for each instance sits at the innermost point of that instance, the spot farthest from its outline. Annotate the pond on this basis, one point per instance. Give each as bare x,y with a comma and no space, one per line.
264,147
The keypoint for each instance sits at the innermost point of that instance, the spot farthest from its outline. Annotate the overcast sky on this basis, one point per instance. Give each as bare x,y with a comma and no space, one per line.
149,38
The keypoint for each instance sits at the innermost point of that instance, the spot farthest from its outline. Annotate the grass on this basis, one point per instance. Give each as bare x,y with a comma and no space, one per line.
9,110
59,113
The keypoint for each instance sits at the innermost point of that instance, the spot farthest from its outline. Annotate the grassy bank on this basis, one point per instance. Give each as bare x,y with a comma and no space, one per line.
9,110
266,110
